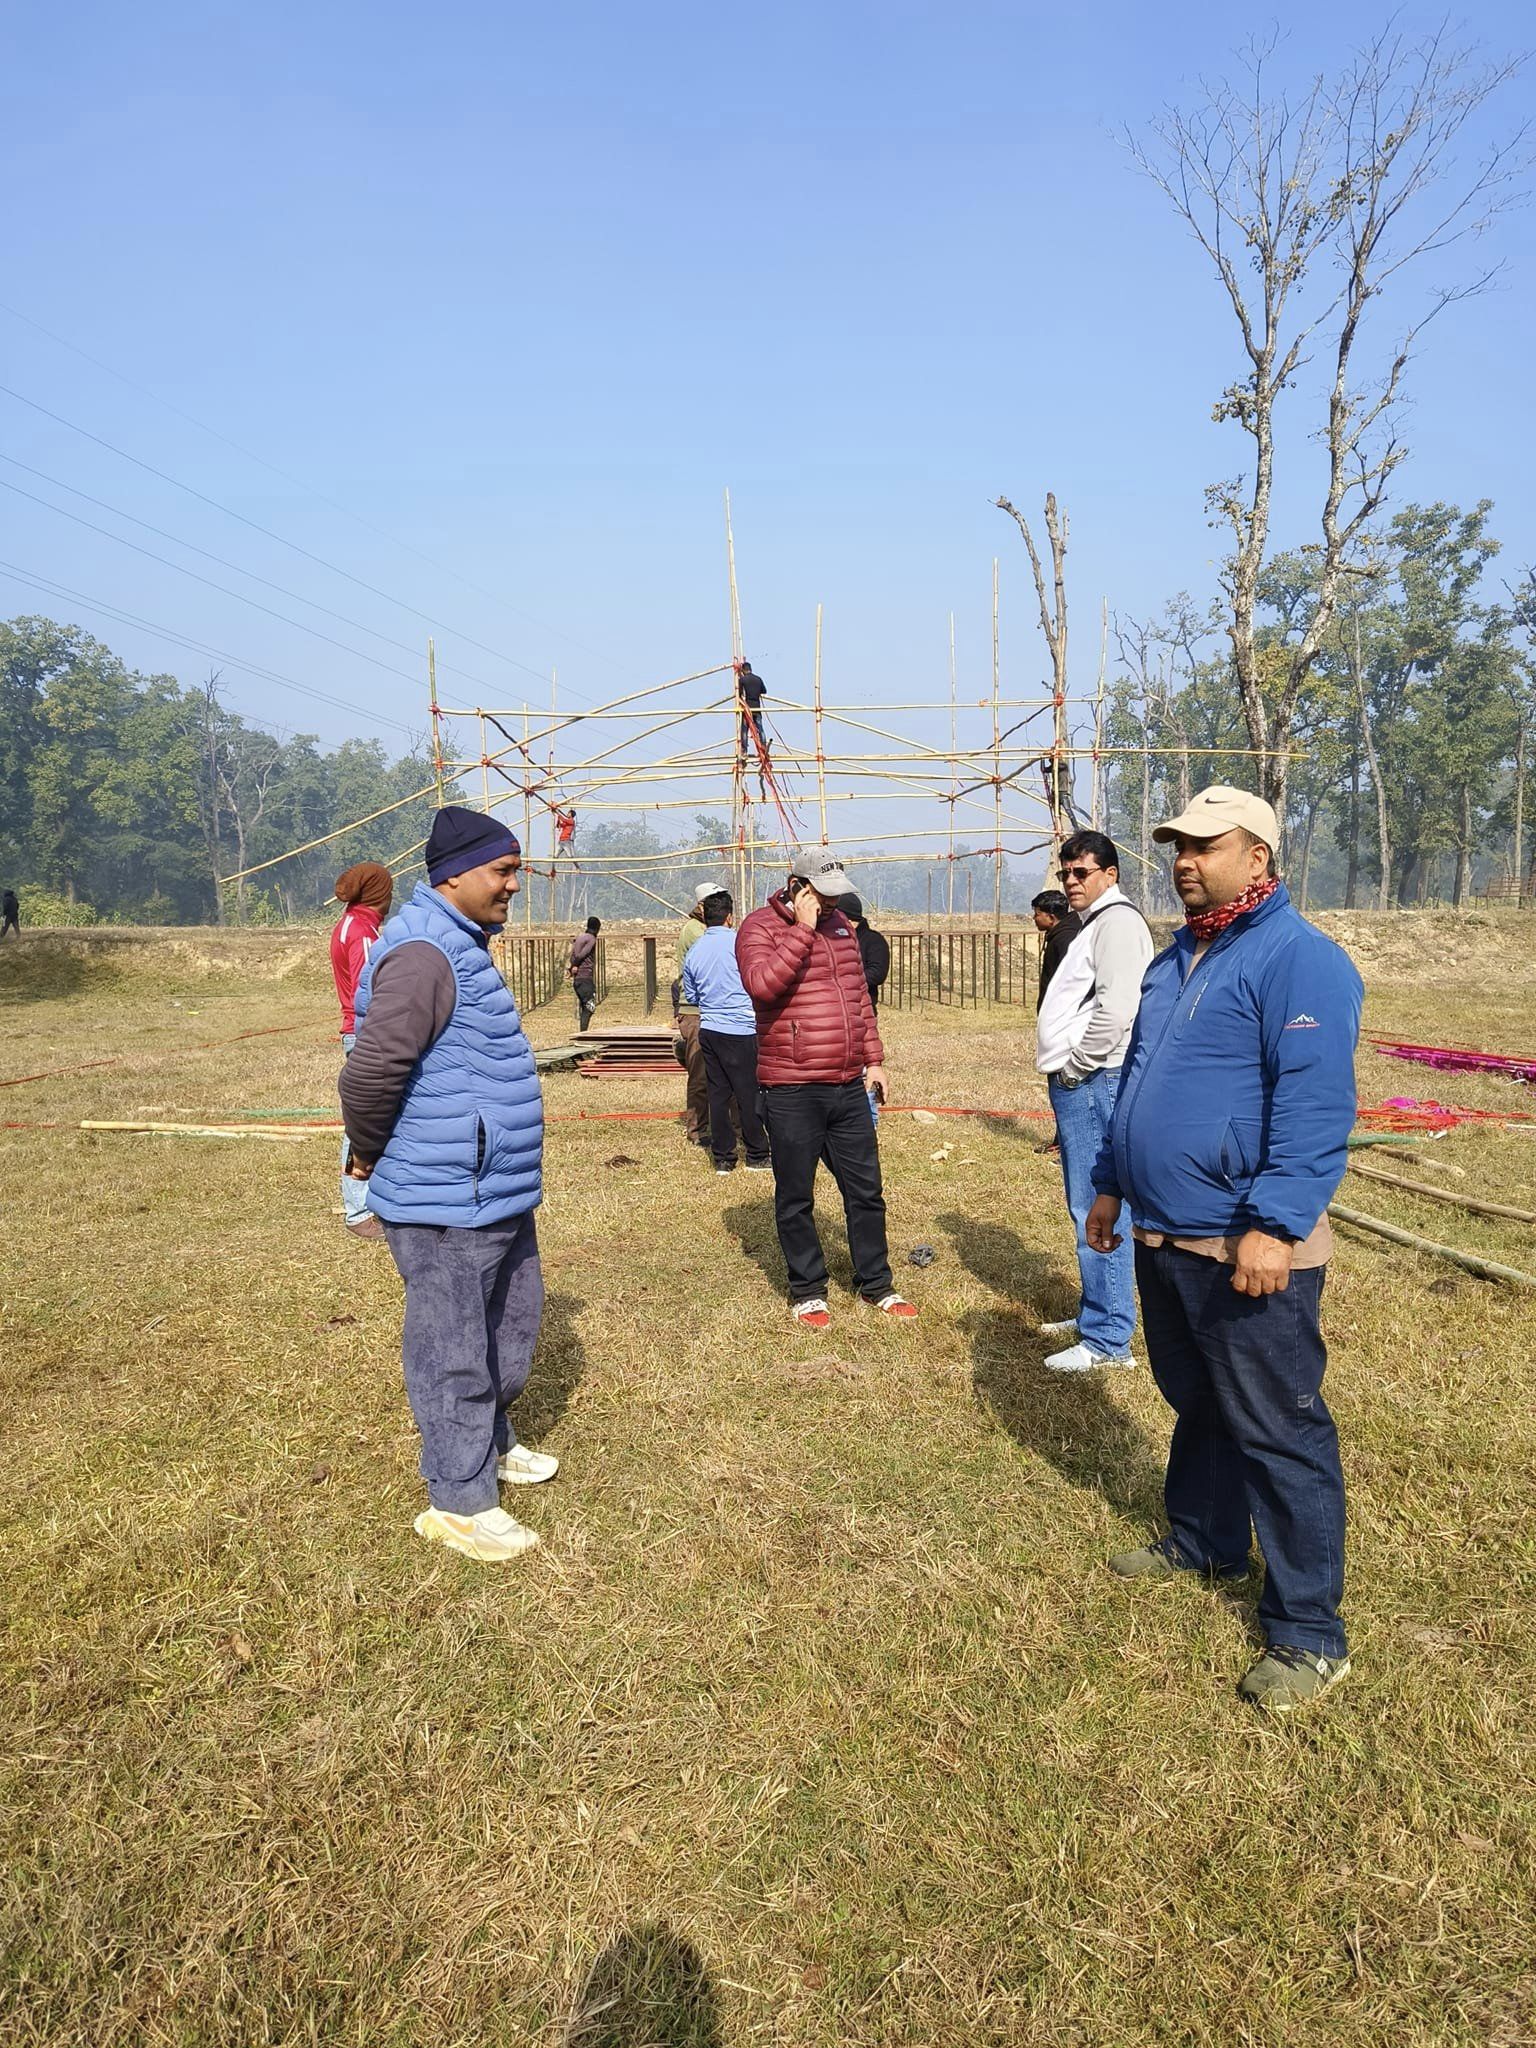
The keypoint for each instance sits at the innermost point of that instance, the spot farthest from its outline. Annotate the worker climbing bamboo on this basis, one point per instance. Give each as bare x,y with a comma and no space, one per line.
752,742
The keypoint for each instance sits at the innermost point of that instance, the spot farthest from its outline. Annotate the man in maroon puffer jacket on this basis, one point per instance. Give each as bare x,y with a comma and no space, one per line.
818,1049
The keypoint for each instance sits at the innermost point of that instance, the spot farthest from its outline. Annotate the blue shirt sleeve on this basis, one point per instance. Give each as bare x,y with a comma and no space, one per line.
1309,1021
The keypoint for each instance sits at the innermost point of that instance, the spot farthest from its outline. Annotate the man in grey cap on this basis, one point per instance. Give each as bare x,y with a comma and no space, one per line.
818,1050
685,1016
1226,1144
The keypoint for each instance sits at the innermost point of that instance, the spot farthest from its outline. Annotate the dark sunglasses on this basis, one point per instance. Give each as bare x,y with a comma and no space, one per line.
1077,874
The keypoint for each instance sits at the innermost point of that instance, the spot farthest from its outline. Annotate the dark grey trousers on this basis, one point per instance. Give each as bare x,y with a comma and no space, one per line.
473,1299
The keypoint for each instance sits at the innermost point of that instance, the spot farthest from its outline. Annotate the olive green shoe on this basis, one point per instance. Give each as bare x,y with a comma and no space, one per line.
1287,1677
1160,1563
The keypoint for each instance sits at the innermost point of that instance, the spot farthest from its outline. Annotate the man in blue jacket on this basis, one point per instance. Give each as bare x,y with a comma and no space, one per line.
727,1037
445,1120
1227,1144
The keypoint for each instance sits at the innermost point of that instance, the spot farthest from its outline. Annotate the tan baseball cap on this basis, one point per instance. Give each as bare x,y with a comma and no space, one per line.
1221,809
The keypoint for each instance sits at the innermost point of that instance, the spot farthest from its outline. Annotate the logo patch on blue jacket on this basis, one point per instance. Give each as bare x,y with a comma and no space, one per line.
1302,1022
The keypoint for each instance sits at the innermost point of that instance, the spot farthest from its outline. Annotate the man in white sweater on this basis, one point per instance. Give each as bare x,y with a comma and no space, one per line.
1082,1032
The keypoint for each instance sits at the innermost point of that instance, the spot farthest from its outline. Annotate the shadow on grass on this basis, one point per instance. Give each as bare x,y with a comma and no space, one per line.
751,1224
558,1365
1069,1421
1034,1131
648,1989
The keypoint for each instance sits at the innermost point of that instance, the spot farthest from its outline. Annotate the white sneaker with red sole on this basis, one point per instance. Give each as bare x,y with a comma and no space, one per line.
893,1306
814,1313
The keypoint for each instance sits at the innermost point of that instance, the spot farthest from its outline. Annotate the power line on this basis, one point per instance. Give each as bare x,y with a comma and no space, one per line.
257,527
51,588
224,563
222,588
335,504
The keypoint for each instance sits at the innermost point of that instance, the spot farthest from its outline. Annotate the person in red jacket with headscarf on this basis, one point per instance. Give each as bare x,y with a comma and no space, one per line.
818,1051
367,890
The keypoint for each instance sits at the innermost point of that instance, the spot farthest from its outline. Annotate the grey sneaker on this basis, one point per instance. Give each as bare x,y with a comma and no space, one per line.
1083,1358
1287,1677
1067,1328
519,1466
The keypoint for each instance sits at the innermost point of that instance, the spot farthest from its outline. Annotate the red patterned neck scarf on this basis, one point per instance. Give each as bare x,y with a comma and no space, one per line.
1205,924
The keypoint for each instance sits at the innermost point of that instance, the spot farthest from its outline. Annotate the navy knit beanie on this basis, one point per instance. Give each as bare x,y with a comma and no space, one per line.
462,839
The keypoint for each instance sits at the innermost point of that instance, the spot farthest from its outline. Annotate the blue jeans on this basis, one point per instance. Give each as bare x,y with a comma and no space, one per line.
1107,1313
473,1302
354,1193
1253,1441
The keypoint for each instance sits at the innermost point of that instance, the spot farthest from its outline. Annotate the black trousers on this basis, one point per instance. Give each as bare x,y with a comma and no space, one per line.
730,1073
808,1121
585,993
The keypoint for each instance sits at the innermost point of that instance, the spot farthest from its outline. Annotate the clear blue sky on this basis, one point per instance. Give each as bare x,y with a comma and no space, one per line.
526,287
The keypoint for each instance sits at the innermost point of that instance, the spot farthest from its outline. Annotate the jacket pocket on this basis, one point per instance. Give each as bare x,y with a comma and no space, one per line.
794,1041
1240,1146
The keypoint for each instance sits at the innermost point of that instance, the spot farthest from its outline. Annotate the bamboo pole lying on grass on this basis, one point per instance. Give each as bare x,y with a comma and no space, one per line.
1486,1268
1416,1187
289,1137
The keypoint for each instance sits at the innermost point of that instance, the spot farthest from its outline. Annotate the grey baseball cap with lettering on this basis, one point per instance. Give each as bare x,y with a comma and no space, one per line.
822,869
1222,809
709,885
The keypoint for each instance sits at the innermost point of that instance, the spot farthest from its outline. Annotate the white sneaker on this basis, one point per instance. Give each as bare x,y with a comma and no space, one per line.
491,1537
521,1467
1067,1327
1080,1359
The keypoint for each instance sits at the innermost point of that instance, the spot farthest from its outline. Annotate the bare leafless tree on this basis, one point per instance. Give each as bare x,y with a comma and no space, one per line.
1053,624
1310,207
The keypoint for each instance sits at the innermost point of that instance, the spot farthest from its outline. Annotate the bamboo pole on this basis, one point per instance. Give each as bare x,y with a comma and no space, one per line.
1099,806
485,769
954,780
740,826
527,828
437,726
821,762
1486,1267
554,846
1431,1194
997,785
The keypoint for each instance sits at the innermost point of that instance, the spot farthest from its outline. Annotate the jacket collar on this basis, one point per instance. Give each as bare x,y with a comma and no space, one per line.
780,903
434,901
1185,940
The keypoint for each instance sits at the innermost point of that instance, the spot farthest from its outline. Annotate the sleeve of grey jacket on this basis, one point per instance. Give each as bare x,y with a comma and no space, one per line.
409,1006
1122,949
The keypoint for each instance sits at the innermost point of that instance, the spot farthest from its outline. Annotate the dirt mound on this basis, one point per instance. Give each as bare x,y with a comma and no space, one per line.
176,955
1426,948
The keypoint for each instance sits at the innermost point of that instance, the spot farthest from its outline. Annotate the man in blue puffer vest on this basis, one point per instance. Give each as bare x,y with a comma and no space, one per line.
1227,1142
445,1121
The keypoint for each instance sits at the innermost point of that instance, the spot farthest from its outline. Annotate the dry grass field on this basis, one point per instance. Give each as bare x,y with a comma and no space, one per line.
817,1719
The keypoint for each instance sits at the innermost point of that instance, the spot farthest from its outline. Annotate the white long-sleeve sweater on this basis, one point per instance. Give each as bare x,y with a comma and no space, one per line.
1086,1018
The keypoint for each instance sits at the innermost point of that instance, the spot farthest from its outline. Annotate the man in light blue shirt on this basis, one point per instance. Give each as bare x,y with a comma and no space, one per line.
728,1037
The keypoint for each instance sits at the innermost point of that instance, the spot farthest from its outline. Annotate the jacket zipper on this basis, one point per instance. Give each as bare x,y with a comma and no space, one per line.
838,985
1130,1108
